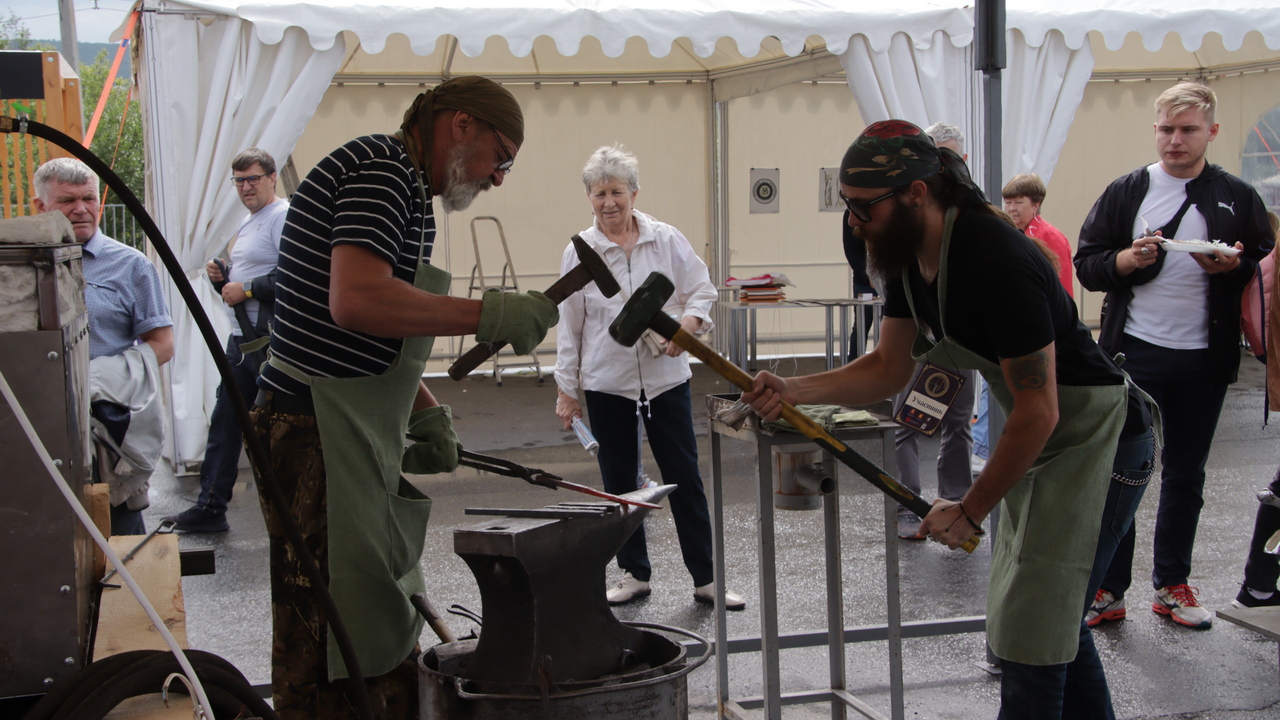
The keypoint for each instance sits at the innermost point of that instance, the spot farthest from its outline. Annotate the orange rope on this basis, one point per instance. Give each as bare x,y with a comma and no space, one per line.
106,190
111,79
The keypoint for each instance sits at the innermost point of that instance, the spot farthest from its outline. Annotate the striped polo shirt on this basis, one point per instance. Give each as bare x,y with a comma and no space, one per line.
364,193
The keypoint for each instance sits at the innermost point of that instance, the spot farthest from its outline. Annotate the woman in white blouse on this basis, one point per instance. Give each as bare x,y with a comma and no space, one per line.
622,385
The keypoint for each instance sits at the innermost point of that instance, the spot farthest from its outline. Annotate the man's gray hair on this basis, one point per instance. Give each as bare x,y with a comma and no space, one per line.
68,171
945,132
254,156
609,163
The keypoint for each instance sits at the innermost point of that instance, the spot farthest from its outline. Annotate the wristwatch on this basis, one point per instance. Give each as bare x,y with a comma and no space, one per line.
248,288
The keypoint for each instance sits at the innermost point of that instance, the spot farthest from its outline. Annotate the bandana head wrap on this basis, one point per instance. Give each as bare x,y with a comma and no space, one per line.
887,154
476,96
891,153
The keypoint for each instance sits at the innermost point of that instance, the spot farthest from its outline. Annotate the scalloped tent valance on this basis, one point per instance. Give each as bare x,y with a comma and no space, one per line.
703,23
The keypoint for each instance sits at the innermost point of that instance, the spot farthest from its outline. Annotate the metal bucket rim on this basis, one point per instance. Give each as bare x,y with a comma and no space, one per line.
685,669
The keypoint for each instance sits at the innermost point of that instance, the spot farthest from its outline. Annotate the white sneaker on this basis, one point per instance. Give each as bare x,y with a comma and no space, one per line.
706,594
1179,603
627,589
644,481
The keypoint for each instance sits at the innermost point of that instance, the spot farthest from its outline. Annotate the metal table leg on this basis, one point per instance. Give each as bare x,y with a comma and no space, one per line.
717,549
830,336
835,591
892,586
768,588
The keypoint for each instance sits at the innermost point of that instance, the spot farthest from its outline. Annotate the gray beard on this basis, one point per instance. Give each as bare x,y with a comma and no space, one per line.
459,192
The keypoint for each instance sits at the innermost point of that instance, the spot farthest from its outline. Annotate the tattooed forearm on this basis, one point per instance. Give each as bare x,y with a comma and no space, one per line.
1030,372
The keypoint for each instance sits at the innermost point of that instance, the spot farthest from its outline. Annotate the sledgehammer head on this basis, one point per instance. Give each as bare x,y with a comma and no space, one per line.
638,313
606,283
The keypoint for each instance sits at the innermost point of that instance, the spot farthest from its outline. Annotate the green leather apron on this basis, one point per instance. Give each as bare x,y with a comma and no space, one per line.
1050,518
377,520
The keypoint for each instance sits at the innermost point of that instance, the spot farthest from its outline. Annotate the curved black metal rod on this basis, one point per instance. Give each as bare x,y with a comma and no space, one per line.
257,454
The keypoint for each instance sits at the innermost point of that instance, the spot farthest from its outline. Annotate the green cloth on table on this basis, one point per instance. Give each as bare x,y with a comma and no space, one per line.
830,417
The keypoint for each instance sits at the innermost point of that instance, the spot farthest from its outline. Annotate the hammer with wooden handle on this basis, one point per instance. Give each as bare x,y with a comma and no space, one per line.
590,268
644,311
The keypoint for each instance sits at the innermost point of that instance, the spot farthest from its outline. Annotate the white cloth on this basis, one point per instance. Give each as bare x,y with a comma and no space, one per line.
587,357
131,379
1172,310
256,253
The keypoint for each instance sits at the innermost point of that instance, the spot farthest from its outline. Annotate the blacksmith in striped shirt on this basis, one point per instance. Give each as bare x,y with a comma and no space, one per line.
357,306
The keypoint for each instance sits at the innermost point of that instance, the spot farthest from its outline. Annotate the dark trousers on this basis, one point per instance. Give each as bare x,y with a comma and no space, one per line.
222,454
1078,690
1262,570
668,423
1190,405
300,685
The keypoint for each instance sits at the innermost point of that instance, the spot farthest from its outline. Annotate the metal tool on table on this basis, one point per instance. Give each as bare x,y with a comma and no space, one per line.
534,476
590,268
165,526
644,311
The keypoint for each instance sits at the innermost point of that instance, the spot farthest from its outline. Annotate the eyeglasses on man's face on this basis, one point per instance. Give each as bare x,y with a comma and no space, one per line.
862,210
250,180
505,166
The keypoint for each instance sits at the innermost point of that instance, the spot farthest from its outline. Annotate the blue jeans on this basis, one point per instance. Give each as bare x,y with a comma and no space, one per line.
222,453
981,432
1189,405
1078,690
668,421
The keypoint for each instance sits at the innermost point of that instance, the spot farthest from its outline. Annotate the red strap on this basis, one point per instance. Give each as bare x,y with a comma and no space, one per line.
111,79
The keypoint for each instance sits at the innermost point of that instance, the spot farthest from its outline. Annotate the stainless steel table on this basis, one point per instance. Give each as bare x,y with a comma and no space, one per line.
835,636
742,327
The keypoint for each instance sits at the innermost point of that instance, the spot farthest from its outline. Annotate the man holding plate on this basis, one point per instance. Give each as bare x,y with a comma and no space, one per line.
1172,309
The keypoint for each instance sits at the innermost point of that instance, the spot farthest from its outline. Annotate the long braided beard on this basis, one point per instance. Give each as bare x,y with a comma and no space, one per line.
892,250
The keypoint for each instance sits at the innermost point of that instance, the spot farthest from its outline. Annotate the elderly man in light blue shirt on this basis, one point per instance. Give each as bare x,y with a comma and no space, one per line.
126,312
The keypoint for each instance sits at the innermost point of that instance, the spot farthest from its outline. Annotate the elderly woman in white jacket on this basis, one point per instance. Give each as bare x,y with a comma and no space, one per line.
621,386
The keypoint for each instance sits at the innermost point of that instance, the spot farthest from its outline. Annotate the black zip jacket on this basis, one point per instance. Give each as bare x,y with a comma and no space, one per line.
1233,213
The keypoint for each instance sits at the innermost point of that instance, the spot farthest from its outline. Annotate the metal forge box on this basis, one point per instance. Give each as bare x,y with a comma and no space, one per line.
46,556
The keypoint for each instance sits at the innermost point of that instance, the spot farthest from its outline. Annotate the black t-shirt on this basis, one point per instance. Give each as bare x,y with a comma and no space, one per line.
1004,300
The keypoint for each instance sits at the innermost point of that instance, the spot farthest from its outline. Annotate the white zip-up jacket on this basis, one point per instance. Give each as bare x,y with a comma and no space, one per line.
587,357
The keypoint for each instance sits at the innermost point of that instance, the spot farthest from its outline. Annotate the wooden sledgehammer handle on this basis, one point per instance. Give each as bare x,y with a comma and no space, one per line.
810,429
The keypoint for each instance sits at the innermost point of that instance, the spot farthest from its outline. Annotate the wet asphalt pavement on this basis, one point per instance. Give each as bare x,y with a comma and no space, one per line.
1156,669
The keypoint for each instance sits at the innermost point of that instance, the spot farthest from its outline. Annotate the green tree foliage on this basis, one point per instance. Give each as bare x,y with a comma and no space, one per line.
122,150
15,36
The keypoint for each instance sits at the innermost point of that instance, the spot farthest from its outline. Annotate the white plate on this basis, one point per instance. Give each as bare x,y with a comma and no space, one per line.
1197,248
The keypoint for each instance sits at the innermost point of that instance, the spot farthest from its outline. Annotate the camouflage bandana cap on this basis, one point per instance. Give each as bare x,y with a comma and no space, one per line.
889,153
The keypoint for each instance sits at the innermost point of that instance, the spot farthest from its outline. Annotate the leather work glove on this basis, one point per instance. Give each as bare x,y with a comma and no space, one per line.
520,320
435,445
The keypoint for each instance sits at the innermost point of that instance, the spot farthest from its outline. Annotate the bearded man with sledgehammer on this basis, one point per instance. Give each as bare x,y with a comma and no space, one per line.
966,290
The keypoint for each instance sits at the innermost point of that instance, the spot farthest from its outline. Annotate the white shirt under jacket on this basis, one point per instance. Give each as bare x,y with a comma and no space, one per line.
586,356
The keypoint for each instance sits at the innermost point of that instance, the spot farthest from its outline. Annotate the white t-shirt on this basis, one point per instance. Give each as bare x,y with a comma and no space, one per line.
1172,310
256,253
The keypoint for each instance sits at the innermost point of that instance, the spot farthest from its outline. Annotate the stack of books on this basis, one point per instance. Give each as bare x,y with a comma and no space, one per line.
762,289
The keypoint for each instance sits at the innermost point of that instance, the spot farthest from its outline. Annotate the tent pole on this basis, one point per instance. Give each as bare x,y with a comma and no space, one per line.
989,35
719,161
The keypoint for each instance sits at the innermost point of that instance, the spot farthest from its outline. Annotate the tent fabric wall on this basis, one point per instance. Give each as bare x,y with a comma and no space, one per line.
219,75
1043,87
244,93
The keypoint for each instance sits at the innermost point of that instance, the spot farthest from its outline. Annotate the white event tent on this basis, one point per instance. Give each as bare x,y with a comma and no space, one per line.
217,76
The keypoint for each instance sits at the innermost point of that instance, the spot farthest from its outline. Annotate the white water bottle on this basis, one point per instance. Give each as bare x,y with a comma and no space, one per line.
584,436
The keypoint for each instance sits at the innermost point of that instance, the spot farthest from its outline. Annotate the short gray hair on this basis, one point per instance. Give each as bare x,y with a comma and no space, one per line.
69,171
254,156
943,132
611,162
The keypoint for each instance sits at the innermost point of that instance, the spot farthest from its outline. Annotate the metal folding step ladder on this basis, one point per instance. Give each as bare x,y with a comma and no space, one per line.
480,282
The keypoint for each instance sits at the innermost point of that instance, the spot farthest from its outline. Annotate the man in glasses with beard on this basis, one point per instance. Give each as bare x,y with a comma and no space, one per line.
357,307
964,289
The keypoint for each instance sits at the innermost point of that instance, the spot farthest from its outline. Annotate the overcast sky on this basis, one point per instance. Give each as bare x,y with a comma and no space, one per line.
94,20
